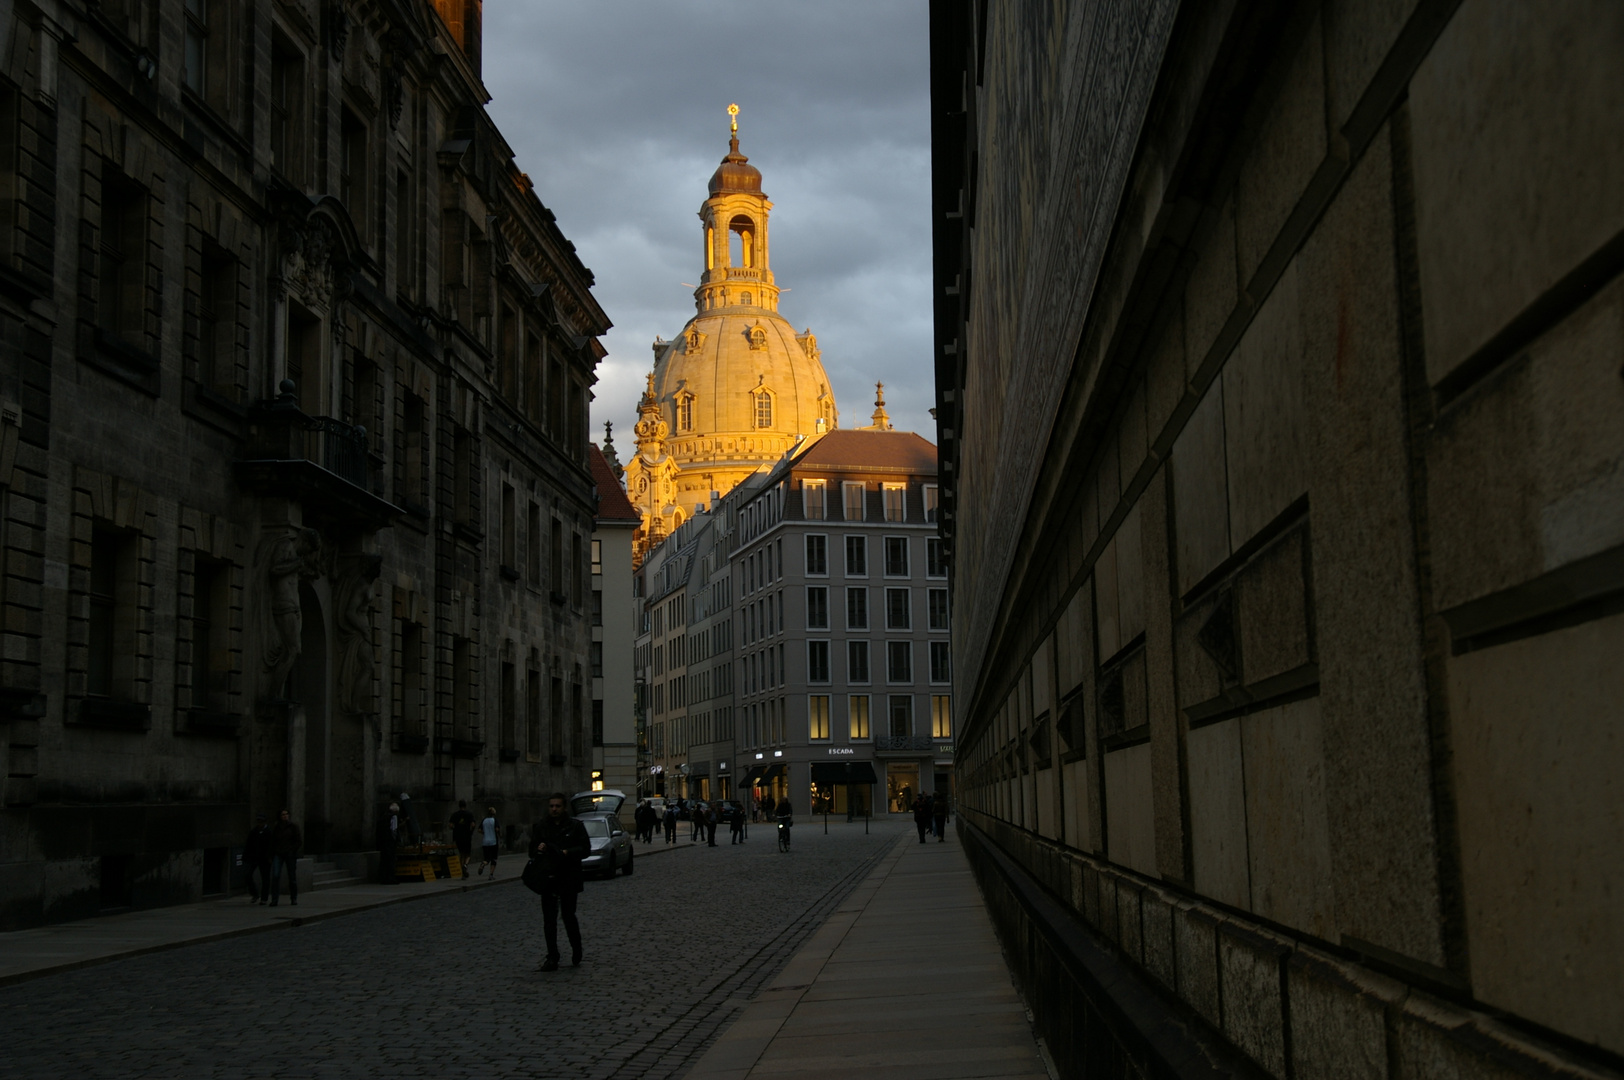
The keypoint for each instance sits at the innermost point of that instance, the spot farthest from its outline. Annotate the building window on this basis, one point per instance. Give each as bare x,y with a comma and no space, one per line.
901,712
932,501
852,500
857,662
111,555
817,714
764,410
216,319
533,362
896,556
939,617
197,45
898,615
813,493
409,709
211,656
857,556
577,717
532,710
685,413
352,170
899,661
597,722
817,607
817,556
405,280
462,684
555,741
597,607
941,716
123,251
510,706
857,607
940,662
557,577
817,661
595,651
413,450
896,502
857,712
935,561
510,531
287,82
597,556
532,538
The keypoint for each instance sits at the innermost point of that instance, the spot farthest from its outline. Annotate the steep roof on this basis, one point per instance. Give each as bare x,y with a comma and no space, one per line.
613,506
857,449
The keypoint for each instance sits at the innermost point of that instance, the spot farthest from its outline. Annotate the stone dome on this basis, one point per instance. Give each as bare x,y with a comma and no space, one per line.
710,379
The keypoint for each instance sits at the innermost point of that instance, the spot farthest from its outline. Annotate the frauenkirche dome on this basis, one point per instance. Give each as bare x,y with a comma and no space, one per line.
740,385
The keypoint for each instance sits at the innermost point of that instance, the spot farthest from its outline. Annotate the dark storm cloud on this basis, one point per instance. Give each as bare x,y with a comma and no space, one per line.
617,110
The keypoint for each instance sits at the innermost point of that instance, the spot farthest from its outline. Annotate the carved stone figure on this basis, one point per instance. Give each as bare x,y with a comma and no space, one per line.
292,557
357,662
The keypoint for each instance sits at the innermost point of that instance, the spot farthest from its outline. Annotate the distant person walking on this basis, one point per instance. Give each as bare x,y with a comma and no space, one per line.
560,842
256,857
921,814
710,825
462,833
388,843
735,824
650,821
696,817
285,844
488,840
938,816
670,823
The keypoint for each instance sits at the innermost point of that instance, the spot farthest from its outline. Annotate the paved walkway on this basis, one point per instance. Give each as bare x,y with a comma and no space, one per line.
27,954
905,980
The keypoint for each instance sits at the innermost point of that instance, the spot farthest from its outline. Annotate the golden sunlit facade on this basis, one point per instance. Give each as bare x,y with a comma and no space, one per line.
739,385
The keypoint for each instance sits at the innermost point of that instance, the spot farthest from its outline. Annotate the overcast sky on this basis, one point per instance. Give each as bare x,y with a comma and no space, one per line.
618,111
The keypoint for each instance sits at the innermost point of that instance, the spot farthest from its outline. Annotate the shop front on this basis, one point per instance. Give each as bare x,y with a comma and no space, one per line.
901,786
843,788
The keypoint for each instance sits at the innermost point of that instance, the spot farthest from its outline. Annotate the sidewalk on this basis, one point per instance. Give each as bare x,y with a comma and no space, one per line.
905,980
28,954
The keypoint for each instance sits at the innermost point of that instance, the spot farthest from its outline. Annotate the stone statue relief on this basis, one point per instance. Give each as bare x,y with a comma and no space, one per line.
356,602
292,557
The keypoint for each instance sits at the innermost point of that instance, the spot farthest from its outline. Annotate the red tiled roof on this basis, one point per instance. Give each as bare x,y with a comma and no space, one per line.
843,448
612,502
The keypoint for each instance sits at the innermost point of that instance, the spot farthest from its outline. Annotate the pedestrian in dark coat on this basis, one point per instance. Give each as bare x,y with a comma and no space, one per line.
921,814
696,817
462,833
938,817
735,821
670,823
256,857
285,844
710,825
560,843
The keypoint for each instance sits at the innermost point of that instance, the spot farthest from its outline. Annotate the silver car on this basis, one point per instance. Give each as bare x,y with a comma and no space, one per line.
611,846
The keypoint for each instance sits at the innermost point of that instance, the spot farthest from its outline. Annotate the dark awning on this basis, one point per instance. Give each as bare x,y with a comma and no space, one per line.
774,770
753,775
843,772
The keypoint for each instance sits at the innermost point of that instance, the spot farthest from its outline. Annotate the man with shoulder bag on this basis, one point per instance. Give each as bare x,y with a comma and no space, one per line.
558,843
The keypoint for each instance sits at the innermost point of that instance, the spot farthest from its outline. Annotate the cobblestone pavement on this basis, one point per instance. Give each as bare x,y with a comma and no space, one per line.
449,987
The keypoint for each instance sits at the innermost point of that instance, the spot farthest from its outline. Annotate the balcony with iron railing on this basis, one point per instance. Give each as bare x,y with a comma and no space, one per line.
323,462
904,744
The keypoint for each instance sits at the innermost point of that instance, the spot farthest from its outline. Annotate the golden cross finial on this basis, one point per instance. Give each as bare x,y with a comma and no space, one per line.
733,118
879,393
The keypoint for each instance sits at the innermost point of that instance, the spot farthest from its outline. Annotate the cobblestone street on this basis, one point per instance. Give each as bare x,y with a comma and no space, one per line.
449,987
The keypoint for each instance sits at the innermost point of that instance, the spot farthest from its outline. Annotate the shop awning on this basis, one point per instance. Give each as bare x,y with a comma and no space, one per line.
843,772
753,775
774,770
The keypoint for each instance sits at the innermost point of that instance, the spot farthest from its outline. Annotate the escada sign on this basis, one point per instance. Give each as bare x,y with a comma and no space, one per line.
841,750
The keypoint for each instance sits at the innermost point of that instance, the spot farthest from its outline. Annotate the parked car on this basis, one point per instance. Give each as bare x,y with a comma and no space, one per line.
611,845
608,801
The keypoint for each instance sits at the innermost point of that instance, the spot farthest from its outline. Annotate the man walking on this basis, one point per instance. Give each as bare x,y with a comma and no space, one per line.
710,824
670,823
921,814
697,814
256,857
462,832
938,814
735,823
560,842
285,843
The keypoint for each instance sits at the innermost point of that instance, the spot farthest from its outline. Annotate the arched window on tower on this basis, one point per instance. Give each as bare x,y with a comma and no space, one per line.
764,409
685,412
743,252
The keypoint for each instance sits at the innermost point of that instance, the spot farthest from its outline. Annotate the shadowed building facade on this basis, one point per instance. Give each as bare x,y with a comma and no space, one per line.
293,454
1283,456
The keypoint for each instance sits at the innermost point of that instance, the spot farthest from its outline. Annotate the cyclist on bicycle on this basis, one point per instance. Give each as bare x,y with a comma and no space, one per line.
786,819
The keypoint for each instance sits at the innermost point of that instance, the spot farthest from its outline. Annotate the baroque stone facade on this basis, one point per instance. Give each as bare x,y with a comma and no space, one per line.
293,451
1283,435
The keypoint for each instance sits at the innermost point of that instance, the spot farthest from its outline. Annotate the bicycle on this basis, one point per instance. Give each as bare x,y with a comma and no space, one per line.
783,835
